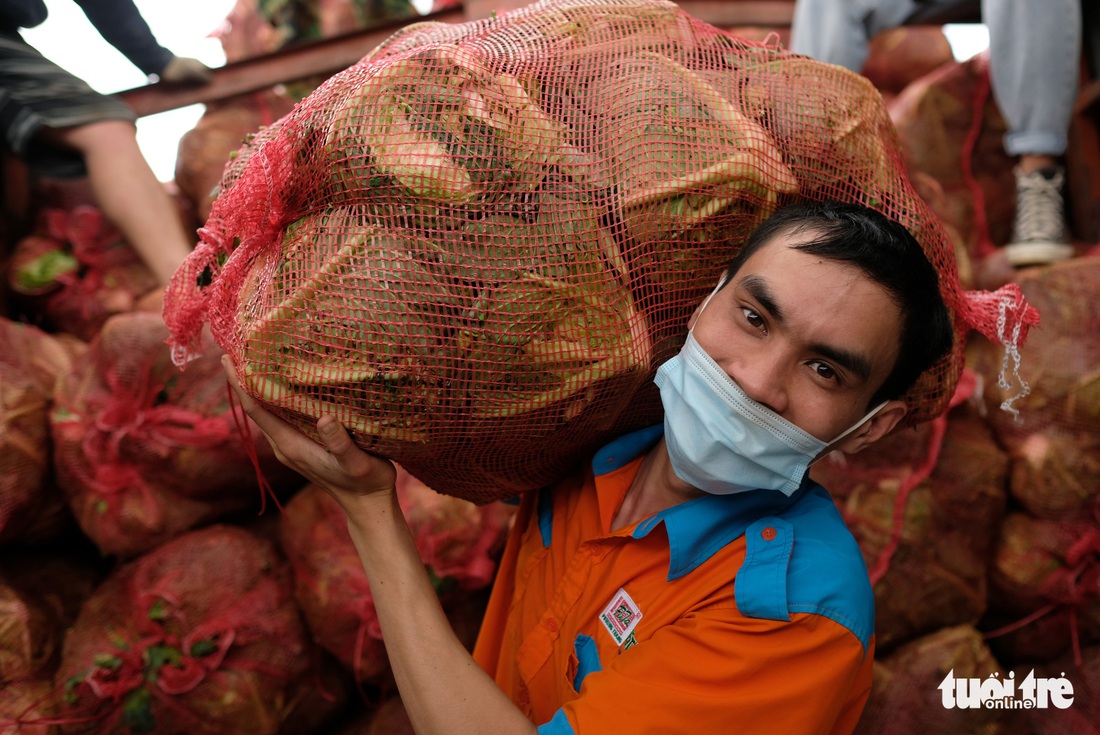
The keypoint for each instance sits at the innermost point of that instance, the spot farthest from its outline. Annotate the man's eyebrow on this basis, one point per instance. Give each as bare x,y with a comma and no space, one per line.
853,362
758,288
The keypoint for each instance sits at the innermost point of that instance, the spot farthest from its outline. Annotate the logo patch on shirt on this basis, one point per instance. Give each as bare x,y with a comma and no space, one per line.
621,616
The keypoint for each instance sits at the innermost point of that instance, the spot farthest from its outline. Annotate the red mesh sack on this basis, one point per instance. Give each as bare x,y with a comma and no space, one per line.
31,363
925,506
1083,716
389,719
1045,587
201,635
144,452
41,594
457,541
475,246
951,134
205,150
77,271
905,697
25,707
900,56
1055,441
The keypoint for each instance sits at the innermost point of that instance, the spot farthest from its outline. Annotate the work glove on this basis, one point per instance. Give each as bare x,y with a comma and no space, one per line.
184,70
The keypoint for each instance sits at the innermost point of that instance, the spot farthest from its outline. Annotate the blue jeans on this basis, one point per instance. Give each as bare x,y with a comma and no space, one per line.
1034,53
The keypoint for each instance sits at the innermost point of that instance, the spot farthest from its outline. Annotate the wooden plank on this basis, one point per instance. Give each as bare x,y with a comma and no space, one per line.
742,13
325,57
723,13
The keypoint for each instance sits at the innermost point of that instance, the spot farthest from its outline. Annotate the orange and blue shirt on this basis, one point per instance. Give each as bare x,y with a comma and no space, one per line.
739,613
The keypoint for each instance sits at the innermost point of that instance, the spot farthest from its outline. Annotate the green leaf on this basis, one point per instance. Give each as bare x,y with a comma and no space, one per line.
158,610
137,713
157,656
441,585
44,270
107,661
203,648
70,684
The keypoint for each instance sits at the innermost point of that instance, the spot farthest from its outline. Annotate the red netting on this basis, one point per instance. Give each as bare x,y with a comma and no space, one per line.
144,452
223,127
1055,441
1042,569
905,695
457,541
201,635
31,362
924,505
475,246
76,271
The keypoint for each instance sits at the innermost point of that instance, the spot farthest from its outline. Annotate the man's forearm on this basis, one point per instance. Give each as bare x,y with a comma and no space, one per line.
442,687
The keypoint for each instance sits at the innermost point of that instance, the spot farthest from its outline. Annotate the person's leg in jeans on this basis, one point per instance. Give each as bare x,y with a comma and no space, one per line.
839,31
1035,50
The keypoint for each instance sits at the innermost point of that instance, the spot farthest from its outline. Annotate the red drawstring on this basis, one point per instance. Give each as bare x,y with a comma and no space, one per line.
244,431
963,390
981,221
1068,588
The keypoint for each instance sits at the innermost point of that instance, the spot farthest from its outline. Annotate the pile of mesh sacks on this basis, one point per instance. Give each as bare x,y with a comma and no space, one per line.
475,247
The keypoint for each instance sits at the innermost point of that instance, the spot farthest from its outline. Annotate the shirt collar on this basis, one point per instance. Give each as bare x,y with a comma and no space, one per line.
696,528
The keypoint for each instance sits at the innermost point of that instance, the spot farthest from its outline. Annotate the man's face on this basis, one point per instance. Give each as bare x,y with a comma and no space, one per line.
808,337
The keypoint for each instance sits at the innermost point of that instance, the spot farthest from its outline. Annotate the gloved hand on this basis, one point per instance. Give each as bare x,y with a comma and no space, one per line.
184,70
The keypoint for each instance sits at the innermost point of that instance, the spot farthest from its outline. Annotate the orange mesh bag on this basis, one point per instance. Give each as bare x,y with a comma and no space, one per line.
475,246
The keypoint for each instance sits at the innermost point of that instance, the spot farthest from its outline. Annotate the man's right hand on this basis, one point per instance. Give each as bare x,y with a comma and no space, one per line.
184,70
336,464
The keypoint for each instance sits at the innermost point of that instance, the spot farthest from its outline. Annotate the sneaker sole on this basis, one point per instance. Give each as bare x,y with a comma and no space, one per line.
1037,253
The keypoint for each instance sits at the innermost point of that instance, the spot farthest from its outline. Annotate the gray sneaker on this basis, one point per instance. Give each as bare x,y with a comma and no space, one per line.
1040,235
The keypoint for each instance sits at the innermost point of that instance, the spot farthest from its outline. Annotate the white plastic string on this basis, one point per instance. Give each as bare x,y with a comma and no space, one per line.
1012,354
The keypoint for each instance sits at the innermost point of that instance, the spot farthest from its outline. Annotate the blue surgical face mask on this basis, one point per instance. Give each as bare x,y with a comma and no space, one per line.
721,441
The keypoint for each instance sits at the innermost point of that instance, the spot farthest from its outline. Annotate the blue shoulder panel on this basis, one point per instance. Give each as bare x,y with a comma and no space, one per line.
760,587
804,560
558,725
546,516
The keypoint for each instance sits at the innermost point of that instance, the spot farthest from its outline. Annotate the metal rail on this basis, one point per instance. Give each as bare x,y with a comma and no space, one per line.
324,57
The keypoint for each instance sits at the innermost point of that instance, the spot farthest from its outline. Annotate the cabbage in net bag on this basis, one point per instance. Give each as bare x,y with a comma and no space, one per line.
475,246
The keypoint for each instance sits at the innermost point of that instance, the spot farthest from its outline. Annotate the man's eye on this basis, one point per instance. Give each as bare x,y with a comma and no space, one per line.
755,320
824,370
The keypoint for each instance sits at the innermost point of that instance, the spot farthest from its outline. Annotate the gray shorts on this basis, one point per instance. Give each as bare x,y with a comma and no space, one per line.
36,93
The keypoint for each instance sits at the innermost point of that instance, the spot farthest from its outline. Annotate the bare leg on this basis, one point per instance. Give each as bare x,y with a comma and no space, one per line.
129,194
1032,162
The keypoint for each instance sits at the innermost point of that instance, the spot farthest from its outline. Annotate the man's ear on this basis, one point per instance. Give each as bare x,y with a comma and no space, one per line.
876,427
695,316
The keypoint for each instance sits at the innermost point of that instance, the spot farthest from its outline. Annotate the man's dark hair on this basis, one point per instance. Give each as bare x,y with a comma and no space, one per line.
891,257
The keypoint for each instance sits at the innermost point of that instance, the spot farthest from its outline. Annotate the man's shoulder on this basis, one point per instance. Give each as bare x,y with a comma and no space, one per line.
805,560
